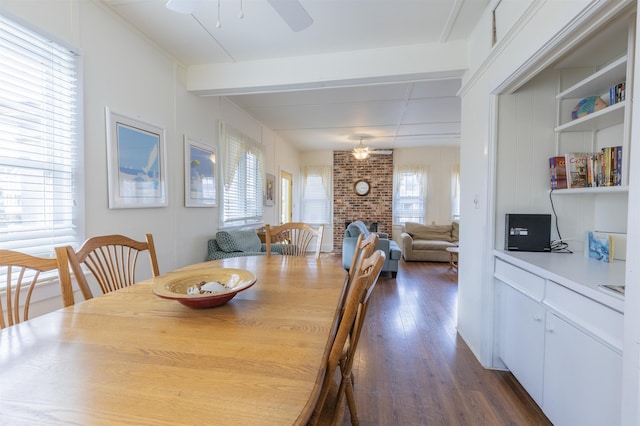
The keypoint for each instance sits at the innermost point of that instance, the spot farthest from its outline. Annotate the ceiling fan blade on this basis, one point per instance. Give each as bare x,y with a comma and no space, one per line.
183,6
293,14
381,152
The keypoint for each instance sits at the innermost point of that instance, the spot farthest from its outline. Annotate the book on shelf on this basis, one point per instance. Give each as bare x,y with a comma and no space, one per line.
589,169
620,243
607,170
576,165
558,170
611,166
593,169
617,93
618,166
600,246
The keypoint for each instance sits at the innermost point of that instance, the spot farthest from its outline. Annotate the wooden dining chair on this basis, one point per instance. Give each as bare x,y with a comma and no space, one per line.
330,404
293,238
372,265
364,249
112,259
20,271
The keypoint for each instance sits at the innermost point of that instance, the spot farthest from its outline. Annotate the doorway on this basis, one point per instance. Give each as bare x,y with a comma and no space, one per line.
286,196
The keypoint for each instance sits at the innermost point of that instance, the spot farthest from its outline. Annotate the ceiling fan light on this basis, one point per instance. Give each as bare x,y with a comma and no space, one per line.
361,153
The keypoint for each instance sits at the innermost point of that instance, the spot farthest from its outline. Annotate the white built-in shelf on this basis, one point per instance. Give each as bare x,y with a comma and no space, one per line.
607,117
599,81
596,190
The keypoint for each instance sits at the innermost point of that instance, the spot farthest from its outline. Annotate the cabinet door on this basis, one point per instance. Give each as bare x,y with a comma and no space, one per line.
521,341
582,377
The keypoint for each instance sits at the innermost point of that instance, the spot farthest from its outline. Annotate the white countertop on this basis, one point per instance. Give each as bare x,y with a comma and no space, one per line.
574,271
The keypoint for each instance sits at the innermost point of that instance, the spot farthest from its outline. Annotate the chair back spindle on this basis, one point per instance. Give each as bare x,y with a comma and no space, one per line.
294,238
112,259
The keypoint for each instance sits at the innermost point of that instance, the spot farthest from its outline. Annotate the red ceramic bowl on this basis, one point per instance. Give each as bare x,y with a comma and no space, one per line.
175,285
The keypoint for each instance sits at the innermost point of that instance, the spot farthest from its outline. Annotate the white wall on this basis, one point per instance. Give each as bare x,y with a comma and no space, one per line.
125,72
543,34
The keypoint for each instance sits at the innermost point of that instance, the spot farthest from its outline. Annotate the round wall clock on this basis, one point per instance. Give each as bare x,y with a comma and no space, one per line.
362,187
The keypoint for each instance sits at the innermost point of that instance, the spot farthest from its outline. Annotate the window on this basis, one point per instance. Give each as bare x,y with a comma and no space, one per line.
455,192
316,193
244,178
39,143
409,201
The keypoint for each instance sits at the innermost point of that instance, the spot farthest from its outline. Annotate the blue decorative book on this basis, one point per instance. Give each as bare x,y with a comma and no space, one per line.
599,246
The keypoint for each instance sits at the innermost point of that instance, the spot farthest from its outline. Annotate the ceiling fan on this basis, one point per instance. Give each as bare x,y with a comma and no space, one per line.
362,152
291,11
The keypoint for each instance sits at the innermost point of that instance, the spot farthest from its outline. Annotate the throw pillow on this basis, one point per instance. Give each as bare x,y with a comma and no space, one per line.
226,242
245,241
212,245
455,231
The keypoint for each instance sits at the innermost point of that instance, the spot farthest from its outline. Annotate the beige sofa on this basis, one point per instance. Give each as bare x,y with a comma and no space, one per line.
428,243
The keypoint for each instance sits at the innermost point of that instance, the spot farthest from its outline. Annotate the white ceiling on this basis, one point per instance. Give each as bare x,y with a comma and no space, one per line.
395,115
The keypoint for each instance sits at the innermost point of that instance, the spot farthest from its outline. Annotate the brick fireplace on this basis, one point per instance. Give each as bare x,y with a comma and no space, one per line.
349,206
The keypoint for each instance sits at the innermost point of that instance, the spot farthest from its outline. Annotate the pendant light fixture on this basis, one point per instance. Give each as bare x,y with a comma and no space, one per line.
361,152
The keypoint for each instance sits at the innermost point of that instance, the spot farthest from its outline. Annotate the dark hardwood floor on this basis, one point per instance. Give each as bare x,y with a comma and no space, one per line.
412,368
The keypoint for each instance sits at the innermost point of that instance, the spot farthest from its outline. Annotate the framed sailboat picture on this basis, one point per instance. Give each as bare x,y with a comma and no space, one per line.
199,174
136,162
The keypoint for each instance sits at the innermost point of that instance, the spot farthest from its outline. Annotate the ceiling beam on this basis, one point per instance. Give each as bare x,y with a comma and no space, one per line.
373,66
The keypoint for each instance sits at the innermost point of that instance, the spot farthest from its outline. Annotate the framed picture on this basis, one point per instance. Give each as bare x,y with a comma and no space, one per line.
199,174
270,190
136,163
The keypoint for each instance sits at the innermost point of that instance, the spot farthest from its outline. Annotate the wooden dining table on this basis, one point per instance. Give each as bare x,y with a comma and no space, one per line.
130,357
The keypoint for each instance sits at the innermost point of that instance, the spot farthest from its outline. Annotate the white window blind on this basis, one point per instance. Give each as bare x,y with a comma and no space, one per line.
244,178
410,194
38,142
316,193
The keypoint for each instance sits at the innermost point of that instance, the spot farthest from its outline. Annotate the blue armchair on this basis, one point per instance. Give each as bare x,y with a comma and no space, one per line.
389,247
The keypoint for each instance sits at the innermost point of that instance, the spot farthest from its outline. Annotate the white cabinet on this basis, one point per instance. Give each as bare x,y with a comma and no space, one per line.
563,347
522,339
582,377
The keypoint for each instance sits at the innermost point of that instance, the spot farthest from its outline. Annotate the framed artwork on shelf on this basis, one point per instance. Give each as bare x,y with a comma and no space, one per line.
136,159
199,174
270,190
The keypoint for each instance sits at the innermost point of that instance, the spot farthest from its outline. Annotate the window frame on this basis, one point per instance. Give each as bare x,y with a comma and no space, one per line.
419,194
63,223
243,174
313,201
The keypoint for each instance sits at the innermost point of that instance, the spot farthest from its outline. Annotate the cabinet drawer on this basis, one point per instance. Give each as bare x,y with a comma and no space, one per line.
528,283
595,318
582,377
521,338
